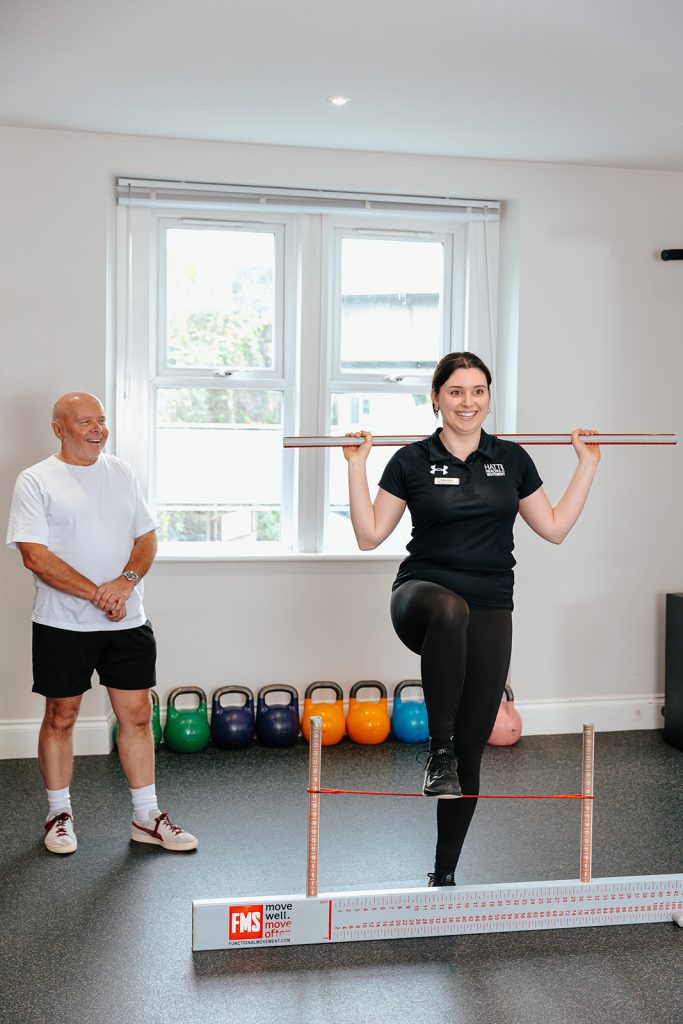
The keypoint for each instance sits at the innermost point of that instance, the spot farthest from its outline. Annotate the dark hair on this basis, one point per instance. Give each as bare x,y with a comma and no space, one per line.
458,361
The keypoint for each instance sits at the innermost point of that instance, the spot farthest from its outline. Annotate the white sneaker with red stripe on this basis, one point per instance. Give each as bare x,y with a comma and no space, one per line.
159,830
59,833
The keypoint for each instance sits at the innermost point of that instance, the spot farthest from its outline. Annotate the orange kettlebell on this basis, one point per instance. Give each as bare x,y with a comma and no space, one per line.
332,713
508,726
368,720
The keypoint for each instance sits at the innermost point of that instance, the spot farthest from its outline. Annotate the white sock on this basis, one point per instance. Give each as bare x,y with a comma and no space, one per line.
144,802
58,800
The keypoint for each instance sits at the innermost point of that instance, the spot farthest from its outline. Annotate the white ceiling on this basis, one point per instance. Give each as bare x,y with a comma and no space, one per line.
576,81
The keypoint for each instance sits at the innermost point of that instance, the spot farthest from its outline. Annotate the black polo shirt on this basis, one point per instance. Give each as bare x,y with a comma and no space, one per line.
463,514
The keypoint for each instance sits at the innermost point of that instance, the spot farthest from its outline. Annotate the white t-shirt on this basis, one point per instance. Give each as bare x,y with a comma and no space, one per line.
89,516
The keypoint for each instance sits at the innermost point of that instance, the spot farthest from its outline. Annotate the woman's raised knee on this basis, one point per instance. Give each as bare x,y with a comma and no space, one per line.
450,610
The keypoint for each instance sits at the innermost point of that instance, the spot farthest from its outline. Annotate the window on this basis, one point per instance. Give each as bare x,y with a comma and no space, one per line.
244,316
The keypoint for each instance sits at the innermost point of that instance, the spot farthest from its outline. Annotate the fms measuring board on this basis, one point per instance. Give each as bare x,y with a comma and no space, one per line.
413,913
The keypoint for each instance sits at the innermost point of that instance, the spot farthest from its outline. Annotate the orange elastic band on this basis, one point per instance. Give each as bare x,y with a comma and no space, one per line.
465,796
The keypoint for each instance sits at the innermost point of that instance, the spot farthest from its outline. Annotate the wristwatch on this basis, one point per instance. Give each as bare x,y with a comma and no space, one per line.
130,575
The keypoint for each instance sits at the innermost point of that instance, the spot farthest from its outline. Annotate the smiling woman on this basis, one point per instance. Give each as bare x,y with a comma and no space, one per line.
452,598
461,392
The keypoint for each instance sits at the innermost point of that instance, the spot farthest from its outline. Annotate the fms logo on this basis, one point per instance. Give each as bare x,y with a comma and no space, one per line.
246,922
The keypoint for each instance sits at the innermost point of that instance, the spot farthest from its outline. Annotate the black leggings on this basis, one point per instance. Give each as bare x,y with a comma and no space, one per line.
465,652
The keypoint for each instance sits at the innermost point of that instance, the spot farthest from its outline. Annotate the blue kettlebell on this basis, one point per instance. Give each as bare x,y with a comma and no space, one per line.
277,725
232,727
409,717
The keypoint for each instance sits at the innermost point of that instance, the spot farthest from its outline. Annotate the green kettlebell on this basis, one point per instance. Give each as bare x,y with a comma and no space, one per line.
187,729
155,722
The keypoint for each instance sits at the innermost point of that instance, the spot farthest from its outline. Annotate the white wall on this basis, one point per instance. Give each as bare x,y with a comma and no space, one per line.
599,345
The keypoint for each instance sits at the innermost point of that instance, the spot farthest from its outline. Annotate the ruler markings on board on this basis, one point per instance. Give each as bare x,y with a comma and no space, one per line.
412,913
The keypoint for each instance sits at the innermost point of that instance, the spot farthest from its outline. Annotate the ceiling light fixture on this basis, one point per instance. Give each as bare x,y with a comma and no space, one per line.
338,101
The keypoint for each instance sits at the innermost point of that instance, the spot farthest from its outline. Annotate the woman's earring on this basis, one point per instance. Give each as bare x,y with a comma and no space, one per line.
436,409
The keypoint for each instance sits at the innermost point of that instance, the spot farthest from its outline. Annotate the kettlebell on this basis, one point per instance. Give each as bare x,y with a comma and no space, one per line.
277,725
368,720
155,722
409,718
187,729
508,726
332,714
232,727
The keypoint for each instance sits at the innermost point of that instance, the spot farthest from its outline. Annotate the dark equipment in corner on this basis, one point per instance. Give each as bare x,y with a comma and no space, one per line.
673,672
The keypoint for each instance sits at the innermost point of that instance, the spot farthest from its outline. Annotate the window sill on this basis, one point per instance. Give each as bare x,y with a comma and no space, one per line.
279,556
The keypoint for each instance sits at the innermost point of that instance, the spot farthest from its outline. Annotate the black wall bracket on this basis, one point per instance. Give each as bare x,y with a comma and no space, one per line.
672,254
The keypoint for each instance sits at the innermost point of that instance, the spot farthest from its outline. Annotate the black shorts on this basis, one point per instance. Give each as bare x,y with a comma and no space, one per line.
65,659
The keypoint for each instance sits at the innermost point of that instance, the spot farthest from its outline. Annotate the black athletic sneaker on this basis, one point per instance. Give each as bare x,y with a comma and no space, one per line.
438,878
441,775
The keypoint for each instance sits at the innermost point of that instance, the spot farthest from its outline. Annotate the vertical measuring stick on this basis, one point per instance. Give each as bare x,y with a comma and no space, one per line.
314,758
587,805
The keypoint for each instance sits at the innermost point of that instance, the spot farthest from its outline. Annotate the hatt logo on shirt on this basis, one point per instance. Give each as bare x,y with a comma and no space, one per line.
494,469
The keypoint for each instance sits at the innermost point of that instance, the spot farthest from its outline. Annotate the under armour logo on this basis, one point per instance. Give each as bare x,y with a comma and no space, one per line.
439,469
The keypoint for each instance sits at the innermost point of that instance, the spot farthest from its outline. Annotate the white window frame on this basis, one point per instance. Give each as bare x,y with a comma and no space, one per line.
453,238
452,234
281,228
307,348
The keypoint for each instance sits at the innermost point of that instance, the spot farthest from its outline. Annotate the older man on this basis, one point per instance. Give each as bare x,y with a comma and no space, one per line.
83,529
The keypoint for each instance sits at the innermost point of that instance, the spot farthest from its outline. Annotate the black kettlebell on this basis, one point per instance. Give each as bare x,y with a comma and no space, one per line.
232,727
277,725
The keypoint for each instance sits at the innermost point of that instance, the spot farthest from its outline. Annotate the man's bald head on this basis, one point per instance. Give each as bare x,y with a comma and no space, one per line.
69,404
80,423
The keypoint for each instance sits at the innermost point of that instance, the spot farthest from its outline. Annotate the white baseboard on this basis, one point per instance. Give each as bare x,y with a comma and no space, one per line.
91,736
539,718
607,714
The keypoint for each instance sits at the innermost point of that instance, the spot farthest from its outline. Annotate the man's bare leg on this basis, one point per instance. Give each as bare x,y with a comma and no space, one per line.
55,758
133,708
55,742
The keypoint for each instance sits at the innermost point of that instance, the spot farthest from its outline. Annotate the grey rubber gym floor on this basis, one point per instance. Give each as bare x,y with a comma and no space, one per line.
105,934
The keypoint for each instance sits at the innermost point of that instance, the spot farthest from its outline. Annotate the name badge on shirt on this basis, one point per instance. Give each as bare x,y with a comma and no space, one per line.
445,481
